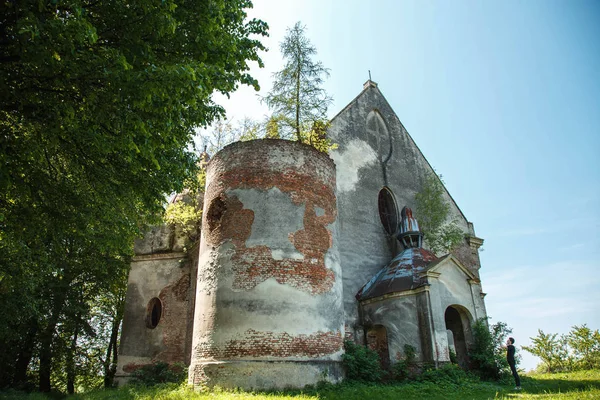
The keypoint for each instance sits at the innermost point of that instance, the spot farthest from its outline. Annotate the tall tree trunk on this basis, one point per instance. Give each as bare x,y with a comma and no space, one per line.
25,355
110,367
110,354
47,337
71,360
298,72
298,135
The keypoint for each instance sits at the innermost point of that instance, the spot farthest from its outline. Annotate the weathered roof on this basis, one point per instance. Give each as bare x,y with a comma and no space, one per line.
402,273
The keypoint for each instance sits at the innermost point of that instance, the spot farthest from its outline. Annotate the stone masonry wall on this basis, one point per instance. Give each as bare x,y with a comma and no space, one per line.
161,271
375,150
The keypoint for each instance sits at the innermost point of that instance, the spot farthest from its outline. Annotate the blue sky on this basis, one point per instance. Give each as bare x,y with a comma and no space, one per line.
503,99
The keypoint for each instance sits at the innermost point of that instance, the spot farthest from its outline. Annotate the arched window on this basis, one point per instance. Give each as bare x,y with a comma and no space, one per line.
388,211
153,313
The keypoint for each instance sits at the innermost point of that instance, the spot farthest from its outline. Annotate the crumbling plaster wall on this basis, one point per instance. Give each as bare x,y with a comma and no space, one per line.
374,150
453,288
159,269
268,304
399,316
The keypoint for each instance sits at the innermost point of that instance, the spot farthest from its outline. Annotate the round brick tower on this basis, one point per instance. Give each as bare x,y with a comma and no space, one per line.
269,292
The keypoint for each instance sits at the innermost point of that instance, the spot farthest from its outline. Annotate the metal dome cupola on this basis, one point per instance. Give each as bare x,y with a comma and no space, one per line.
409,234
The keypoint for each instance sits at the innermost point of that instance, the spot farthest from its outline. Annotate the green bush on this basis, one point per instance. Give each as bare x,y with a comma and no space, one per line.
577,350
488,357
406,368
159,372
361,363
448,373
453,358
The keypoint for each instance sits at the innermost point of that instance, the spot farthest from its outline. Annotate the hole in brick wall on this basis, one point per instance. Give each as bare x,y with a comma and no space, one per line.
215,213
153,313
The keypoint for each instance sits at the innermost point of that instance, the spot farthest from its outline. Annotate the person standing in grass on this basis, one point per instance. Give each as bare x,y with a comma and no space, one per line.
510,357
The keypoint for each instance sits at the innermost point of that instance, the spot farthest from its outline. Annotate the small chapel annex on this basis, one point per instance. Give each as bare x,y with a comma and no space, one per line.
300,251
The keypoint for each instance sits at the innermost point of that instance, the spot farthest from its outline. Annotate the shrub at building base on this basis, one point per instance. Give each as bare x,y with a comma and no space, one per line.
447,373
488,357
406,368
361,363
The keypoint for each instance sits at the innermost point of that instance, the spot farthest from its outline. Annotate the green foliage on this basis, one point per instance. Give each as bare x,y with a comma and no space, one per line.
317,137
272,128
221,134
406,368
361,363
99,105
551,349
488,357
453,358
447,373
579,349
571,386
297,98
585,345
159,372
185,212
248,129
186,216
432,212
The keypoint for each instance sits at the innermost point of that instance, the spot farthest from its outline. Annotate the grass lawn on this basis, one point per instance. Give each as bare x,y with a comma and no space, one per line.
566,386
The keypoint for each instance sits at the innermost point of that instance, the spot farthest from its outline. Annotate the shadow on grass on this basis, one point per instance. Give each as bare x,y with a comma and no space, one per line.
563,384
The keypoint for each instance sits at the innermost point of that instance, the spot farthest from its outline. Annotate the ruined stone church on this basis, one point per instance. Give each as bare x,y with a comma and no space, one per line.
300,250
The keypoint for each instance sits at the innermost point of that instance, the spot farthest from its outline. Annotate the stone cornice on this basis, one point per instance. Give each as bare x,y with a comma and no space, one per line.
475,242
394,295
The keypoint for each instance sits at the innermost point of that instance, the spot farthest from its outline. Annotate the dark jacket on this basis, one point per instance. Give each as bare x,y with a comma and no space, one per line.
510,354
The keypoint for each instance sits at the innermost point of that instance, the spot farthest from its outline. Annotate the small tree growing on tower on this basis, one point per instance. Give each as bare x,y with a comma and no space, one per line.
433,212
297,99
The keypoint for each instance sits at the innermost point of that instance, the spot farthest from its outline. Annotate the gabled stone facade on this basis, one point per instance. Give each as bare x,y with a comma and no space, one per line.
299,251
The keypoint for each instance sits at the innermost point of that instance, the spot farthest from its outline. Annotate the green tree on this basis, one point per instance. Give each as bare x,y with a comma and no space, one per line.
585,344
219,135
184,213
100,103
551,349
433,213
297,97
487,354
248,129
272,128
317,137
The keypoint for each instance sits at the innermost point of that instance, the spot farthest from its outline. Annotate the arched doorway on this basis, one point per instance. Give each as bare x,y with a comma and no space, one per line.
458,322
377,340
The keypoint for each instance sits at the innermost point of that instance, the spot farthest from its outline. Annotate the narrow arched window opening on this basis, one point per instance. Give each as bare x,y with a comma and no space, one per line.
153,313
388,212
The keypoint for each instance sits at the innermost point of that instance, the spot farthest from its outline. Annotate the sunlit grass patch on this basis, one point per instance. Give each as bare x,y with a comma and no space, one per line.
563,386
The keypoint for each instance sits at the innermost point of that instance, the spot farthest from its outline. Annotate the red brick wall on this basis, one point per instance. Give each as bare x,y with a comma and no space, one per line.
226,219
257,344
468,257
